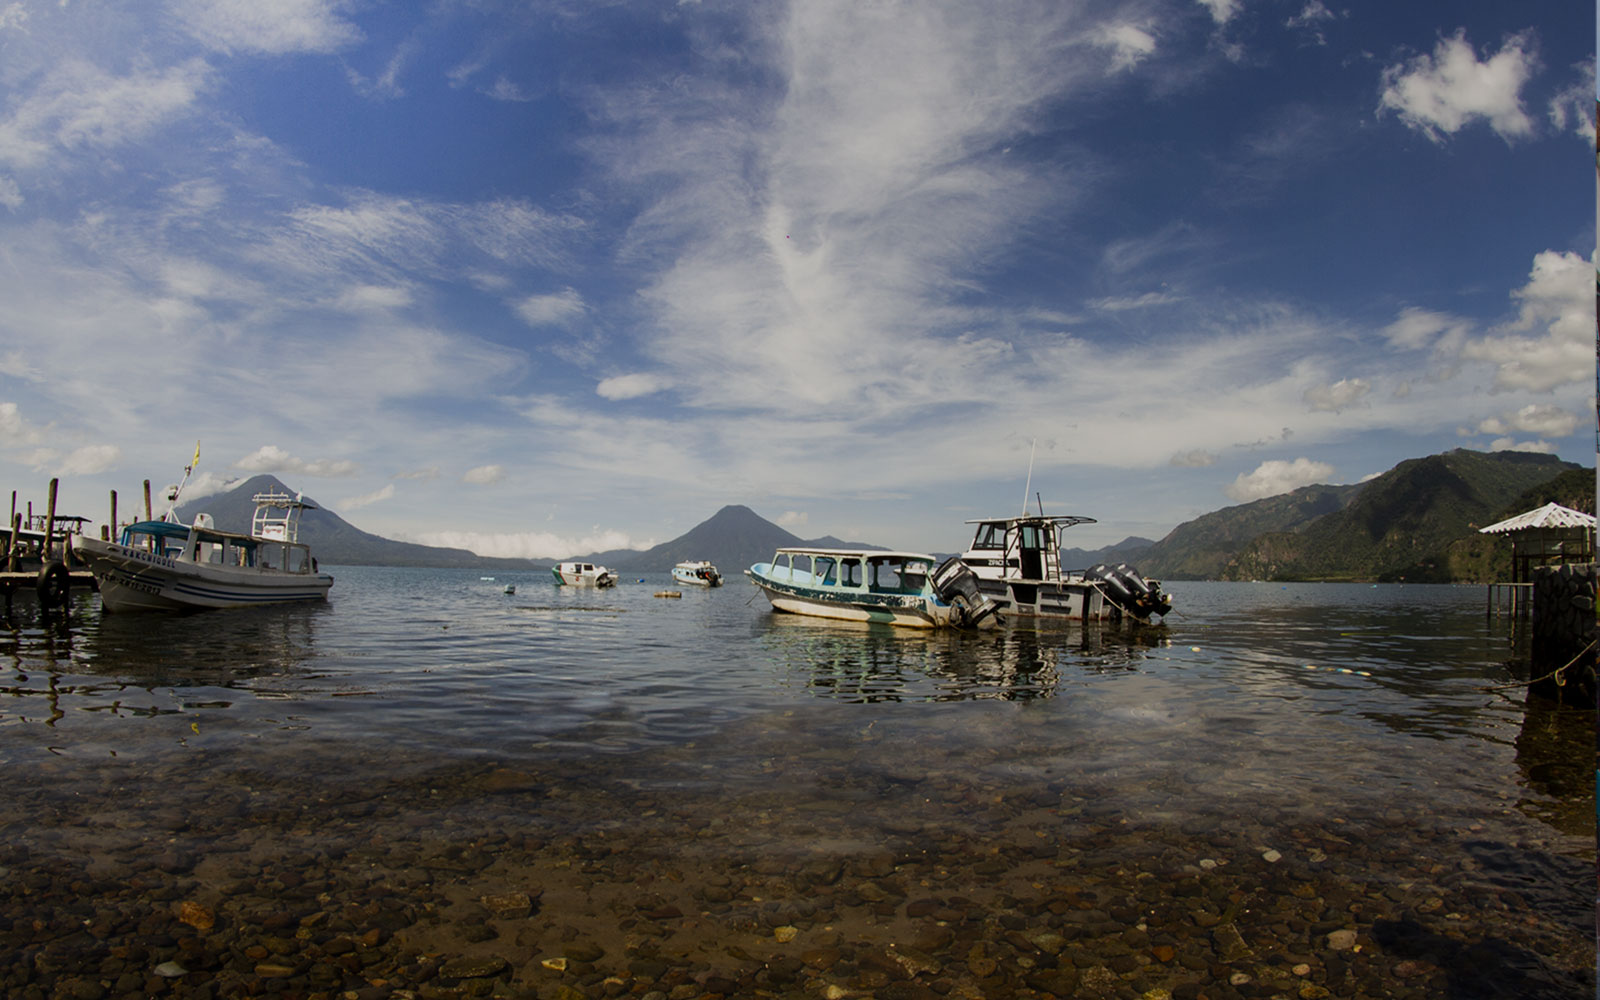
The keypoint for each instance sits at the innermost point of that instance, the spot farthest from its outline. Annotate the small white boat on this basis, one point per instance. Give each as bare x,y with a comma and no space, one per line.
870,585
166,565
582,574
1018,564
697,574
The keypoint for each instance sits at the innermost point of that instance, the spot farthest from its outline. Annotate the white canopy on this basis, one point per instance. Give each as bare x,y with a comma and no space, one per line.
1551,515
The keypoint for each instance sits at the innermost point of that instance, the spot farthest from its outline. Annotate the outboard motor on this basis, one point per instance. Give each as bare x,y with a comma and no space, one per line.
1129,591
956,585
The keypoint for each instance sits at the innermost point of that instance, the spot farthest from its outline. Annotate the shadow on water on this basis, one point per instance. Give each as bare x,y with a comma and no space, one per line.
862,663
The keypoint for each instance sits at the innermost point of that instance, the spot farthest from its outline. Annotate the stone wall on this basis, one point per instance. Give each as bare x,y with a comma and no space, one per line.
1564,631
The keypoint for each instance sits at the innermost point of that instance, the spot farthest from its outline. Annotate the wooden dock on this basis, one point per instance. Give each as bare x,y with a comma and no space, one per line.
52,589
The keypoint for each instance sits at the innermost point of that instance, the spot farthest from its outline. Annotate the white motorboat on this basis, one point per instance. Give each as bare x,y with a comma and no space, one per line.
1018,564
166,565
582,574
871,585
697,574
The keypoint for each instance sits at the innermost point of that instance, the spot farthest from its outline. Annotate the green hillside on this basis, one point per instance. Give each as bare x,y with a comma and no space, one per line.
1485,558
1402,525
1203,548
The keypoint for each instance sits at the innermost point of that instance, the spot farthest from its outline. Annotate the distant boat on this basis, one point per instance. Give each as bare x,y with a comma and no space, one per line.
697,574
166,565
871,585
582,574
1018,564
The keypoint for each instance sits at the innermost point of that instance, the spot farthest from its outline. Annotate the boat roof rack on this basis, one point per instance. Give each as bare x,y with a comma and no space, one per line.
1065,520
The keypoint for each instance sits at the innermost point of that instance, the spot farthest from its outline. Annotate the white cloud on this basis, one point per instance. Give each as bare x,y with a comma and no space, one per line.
277,28
14,17
270,459
1222,11
1558,302
1195,459
792,519
551,310
504,90
363,298
1532,419
422,475
10,194
1574,105
1446,91
484,475
532,545
1130,302
90,460
1274,477
630,386
1129,44
1340,395
80,105
367,499
1419,328
15,430
1510,444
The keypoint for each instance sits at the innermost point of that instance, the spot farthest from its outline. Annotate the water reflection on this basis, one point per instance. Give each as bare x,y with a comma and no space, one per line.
862,663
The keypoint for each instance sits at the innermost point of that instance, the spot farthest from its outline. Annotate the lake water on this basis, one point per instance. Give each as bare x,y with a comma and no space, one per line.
428,788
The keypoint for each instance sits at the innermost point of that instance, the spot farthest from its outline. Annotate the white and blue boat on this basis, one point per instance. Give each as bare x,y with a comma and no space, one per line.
872,585
697,574
582,574
167,565
1018,564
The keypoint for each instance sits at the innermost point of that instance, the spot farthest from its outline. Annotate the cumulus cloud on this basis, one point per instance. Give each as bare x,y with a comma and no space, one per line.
792,519
1128,43
1532,419
1574,106
1337,396
630,386
367,499
1449,89
15,430
1222,11
484,475
270,459
1195,459
551,310
1558,304
1274,477
1511,444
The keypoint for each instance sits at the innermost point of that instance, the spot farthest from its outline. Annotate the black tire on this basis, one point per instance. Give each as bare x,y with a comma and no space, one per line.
53,585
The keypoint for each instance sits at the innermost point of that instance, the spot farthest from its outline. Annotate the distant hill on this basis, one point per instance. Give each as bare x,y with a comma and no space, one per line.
333,540
1400,525
1130,550
733,539
1202,549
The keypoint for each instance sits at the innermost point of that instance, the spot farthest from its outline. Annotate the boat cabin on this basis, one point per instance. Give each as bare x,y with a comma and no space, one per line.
873,572
1026,547
205,545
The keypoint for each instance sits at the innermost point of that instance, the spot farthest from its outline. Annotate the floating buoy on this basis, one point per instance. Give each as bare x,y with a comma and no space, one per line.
667,593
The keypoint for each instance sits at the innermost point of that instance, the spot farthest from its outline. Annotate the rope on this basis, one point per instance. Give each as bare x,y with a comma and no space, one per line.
1554,674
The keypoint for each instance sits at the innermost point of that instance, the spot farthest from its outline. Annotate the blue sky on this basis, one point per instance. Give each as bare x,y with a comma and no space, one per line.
544,278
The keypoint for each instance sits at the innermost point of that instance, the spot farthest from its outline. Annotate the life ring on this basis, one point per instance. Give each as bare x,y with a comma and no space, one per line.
53,585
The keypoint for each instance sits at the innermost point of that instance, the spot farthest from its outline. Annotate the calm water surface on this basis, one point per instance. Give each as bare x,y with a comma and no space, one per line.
1289,761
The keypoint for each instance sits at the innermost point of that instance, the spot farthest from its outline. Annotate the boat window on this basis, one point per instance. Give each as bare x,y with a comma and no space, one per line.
824,570
990,536
1031,538
850,573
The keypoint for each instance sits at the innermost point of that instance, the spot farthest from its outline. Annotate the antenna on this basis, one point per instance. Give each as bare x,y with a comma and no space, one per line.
1029,487
1041,504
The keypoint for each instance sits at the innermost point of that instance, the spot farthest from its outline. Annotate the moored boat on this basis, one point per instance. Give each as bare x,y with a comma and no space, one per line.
870,585
1018,564
582,574
167,565
697,574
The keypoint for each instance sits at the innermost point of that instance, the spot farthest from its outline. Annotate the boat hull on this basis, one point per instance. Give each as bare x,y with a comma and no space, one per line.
574,579
690,579
132,579
1068,601
887,609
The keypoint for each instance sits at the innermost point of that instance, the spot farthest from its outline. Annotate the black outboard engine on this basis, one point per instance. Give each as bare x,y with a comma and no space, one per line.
956,585
1132,593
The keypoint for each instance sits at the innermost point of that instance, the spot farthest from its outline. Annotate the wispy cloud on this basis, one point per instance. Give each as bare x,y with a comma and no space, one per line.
278,28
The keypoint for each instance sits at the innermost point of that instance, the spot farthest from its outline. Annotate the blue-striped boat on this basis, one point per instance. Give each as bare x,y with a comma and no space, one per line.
872,585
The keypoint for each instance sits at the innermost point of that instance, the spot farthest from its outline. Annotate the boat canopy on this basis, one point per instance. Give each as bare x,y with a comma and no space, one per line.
155,529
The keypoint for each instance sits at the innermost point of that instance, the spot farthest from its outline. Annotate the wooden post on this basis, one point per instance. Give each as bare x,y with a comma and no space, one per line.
113,534
16,526
50,521
147,515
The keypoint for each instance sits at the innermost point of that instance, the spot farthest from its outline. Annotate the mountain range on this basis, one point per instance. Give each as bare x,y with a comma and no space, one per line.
1417,522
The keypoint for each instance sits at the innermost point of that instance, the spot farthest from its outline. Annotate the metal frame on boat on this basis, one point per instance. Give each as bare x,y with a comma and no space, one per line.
1018,564
871,585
